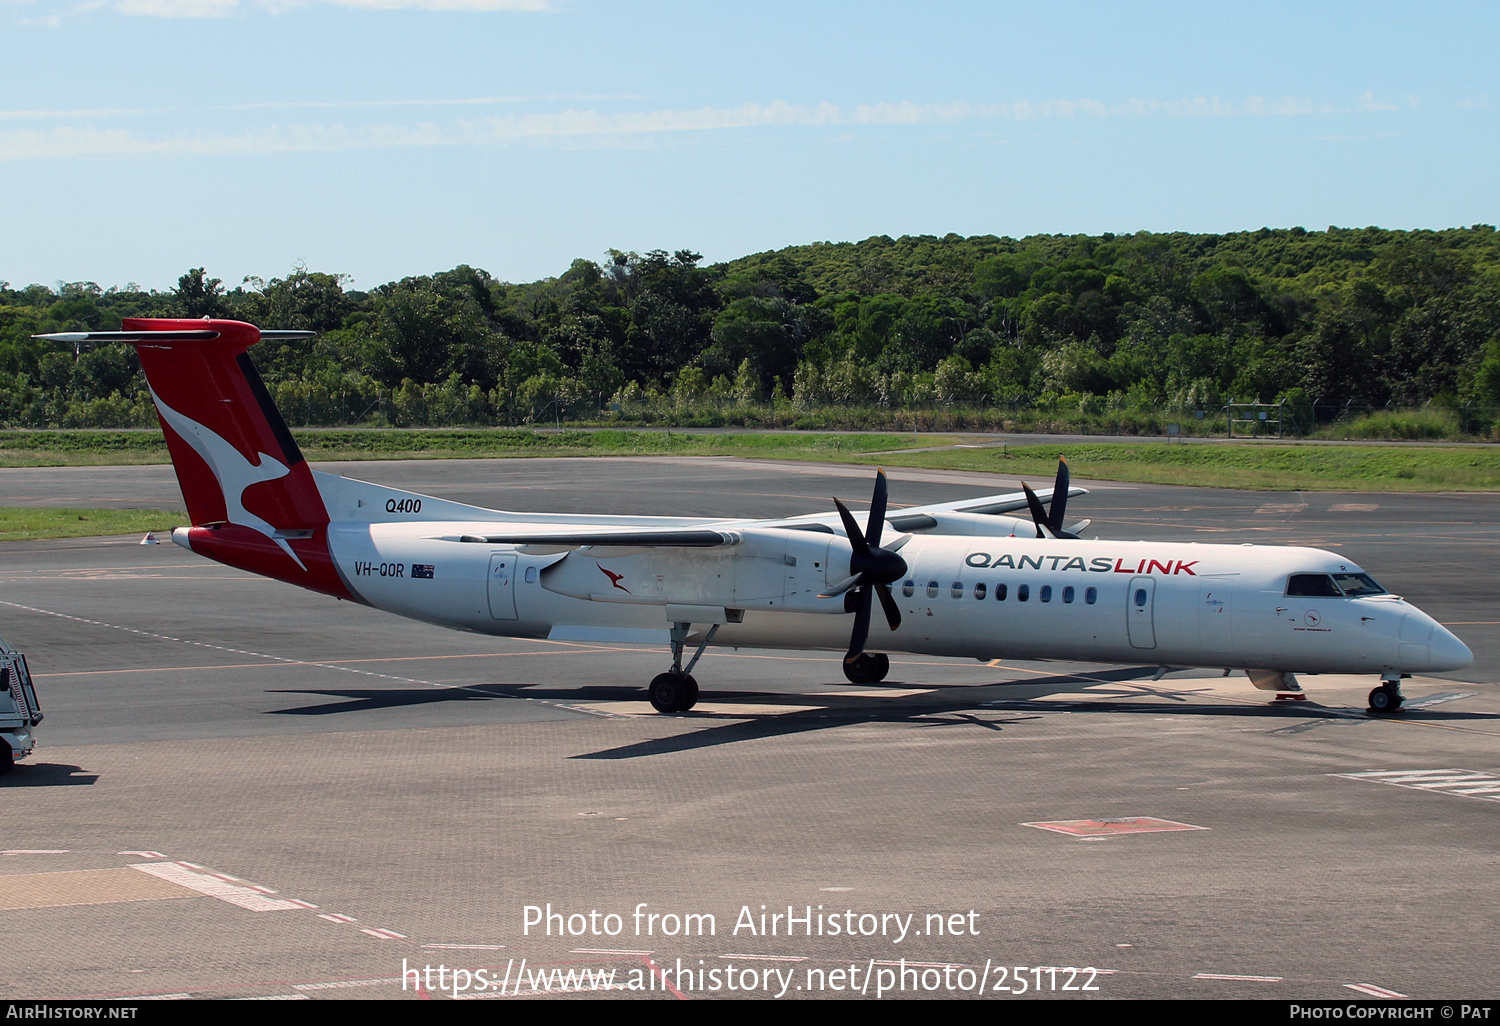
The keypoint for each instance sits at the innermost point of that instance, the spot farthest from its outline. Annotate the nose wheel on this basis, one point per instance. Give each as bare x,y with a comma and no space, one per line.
867,668
1386,699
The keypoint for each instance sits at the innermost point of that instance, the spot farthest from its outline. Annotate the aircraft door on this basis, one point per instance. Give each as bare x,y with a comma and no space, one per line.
502,585
1139,602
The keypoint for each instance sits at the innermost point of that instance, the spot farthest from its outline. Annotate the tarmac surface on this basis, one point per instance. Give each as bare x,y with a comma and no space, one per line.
245,790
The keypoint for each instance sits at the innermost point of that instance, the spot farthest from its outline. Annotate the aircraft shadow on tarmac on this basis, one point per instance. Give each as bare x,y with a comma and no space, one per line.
954,706
46,774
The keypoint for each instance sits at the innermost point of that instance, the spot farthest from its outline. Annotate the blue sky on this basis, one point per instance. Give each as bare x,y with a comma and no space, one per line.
383,138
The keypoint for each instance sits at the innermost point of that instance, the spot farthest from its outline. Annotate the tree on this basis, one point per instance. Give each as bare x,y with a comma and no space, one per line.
198,296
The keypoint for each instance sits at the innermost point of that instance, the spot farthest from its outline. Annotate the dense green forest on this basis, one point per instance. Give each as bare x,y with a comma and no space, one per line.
987,329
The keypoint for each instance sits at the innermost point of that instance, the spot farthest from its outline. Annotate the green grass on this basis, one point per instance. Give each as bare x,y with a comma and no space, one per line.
18,524
1252,465
1256,466
1401,425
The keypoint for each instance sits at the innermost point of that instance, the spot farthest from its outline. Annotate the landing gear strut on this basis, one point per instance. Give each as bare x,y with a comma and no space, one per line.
676,690
1387,698
866,668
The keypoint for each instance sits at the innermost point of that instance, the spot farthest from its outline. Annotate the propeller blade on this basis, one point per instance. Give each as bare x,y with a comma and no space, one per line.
896,545
1059,496
888,603
861,632
841,587
876,522
852,529
1038,515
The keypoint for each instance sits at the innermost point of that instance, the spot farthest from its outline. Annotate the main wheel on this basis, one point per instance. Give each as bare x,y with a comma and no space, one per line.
1384,699
881,667
673,692
7,761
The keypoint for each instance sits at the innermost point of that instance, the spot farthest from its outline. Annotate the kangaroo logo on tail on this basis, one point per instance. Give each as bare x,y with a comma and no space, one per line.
232,470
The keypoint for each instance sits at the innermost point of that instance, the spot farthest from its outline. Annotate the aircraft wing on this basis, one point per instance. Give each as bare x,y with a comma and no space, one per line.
561,541
916,518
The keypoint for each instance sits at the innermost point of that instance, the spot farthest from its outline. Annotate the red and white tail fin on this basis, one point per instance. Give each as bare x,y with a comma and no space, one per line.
249,491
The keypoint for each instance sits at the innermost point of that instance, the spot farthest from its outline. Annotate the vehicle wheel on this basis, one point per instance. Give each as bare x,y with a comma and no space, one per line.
881,668
669,692
692,693
860,669
1384,700
7,761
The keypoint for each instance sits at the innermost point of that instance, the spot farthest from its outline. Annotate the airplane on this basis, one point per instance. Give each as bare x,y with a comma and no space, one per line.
951,579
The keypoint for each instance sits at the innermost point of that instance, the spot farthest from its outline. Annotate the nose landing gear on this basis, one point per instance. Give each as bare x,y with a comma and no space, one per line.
1387,698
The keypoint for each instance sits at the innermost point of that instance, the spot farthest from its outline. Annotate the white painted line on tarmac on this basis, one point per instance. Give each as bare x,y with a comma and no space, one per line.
609,951
1461,782
1233,976
275,997
1374,991
465,947
383,934
244,897
779,958
334,917
143,854
35,851
341,984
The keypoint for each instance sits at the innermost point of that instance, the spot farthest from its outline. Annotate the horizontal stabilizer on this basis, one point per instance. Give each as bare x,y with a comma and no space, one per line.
188,335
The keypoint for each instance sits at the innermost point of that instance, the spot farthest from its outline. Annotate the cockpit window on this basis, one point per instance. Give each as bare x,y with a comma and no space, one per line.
1358,585
1313,585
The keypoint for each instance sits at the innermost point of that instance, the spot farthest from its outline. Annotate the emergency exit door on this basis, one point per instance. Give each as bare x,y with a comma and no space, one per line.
1138,605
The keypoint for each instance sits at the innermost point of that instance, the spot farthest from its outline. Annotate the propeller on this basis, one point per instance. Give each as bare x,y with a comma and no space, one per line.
871,569
1049,522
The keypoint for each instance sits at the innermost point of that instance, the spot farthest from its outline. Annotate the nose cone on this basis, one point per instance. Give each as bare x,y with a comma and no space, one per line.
1447,652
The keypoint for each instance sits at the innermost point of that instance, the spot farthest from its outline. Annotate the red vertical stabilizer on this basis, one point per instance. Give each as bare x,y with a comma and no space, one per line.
249,491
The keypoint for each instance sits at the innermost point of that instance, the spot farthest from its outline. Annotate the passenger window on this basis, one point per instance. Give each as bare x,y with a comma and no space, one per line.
908,588
979,591
1023,593
1068,594
958,589
1140,597
932,589
1046,593
1000,592
1312,586
1091,595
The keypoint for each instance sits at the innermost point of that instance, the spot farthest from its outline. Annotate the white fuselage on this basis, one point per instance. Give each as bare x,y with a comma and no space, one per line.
983,597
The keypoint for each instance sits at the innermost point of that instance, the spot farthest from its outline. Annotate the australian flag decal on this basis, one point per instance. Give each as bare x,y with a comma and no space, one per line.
423,571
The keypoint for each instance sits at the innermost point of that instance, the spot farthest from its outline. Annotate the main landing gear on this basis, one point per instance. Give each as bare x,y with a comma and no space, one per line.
676,690
1387,698
867,668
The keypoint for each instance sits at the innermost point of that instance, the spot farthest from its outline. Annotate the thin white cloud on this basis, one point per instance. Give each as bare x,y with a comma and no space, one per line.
447,5
1368,102
473,101
178,8
594,127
